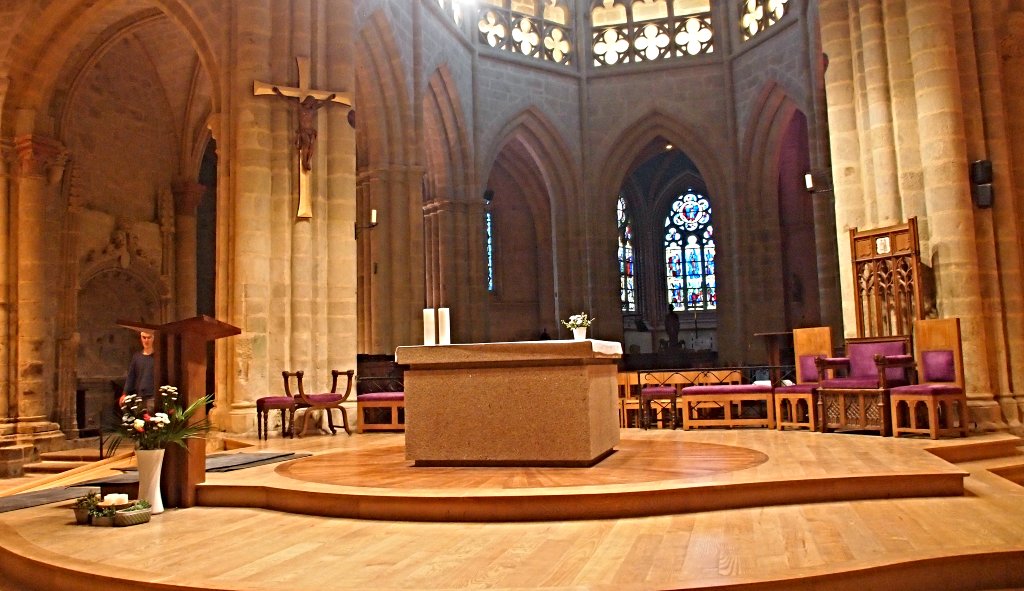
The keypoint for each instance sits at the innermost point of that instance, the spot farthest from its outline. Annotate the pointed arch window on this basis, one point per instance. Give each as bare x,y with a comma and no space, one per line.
489,248
627,268
690,253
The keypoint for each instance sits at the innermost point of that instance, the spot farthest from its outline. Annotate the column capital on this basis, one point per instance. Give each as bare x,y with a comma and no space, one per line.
41,156
187,195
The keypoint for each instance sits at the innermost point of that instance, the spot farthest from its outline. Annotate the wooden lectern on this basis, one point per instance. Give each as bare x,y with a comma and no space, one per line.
181,362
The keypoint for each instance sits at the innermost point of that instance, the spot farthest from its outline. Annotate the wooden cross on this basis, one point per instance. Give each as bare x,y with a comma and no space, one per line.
309,100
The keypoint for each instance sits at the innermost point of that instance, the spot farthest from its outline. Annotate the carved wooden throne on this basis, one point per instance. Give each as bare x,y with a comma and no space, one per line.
887,279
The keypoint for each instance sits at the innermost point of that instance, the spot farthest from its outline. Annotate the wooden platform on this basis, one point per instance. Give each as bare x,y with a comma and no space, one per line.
651,473
748,509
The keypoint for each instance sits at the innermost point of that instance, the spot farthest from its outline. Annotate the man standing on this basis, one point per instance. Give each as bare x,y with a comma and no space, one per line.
141,373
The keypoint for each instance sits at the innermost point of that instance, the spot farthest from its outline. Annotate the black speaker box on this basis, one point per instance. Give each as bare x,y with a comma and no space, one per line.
981,172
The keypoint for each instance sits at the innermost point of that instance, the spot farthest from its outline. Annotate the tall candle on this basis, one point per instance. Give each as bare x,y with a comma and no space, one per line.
429,327
444,326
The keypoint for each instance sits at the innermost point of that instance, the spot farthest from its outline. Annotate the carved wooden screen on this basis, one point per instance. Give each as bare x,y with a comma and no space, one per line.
886,278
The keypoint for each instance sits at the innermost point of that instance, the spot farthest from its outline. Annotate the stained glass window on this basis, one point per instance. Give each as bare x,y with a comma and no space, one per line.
690,253
627,271
489,249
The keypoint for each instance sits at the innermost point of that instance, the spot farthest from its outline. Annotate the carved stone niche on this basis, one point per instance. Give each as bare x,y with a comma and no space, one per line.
109,293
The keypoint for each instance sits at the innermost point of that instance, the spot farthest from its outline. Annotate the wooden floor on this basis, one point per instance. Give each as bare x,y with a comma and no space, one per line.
922,541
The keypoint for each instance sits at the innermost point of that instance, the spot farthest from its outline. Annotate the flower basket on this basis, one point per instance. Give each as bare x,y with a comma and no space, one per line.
133,517
81,515
102,520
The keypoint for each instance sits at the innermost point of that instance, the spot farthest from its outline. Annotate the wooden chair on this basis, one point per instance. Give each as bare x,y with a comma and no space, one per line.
937,405
659,394
859,400
286,404
629,400
795,404
327,402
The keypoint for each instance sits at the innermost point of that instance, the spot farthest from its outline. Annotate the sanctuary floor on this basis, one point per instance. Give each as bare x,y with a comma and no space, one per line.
739,509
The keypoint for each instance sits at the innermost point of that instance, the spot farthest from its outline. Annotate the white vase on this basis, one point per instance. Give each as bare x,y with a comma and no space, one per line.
580,333
150,463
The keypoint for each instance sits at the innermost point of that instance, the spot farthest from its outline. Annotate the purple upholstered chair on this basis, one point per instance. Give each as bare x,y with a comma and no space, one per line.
860,398
937,405
795,404
286,404
328,402
659,393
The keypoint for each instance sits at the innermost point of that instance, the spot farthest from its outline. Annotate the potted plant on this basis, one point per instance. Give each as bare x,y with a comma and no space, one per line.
136,513
151,430
83,506
102,516
578,324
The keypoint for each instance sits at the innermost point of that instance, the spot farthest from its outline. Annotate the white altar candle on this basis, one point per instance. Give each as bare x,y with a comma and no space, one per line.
429,327
444,326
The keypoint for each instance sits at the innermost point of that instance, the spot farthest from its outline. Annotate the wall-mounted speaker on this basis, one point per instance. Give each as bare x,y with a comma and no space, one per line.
981,172
981,183
488,195
982,195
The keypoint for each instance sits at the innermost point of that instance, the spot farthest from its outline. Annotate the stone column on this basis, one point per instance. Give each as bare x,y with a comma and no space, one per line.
879,114
1003,220
397,292
827,258
454,269
953,254
339,180
847,174
68,337
7,414
248,252
41,165
187,195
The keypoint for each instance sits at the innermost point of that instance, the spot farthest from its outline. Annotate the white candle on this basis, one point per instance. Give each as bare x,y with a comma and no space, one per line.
429,327
373,217
110,499
444,326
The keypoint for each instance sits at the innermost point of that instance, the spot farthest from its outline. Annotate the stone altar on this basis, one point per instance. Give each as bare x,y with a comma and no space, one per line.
533,403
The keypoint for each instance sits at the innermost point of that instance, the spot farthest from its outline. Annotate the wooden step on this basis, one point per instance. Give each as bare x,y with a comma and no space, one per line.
966,450
53,467
1013,473
83,454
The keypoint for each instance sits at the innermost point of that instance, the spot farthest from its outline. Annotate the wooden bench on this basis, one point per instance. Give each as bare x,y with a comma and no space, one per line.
380,405
727,406
659,391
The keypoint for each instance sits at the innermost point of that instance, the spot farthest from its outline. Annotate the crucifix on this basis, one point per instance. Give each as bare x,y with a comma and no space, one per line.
309,101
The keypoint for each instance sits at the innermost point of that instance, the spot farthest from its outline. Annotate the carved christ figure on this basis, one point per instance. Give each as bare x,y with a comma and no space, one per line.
305,135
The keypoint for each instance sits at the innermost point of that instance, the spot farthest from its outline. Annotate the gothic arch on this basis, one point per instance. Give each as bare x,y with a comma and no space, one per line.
56,35
617,165
384,109
769,119
538,136
529,150
446,150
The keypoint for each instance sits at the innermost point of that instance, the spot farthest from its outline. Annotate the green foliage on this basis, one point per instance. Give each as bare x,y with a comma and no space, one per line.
98,511
167,423
138,505
88,501
578,321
